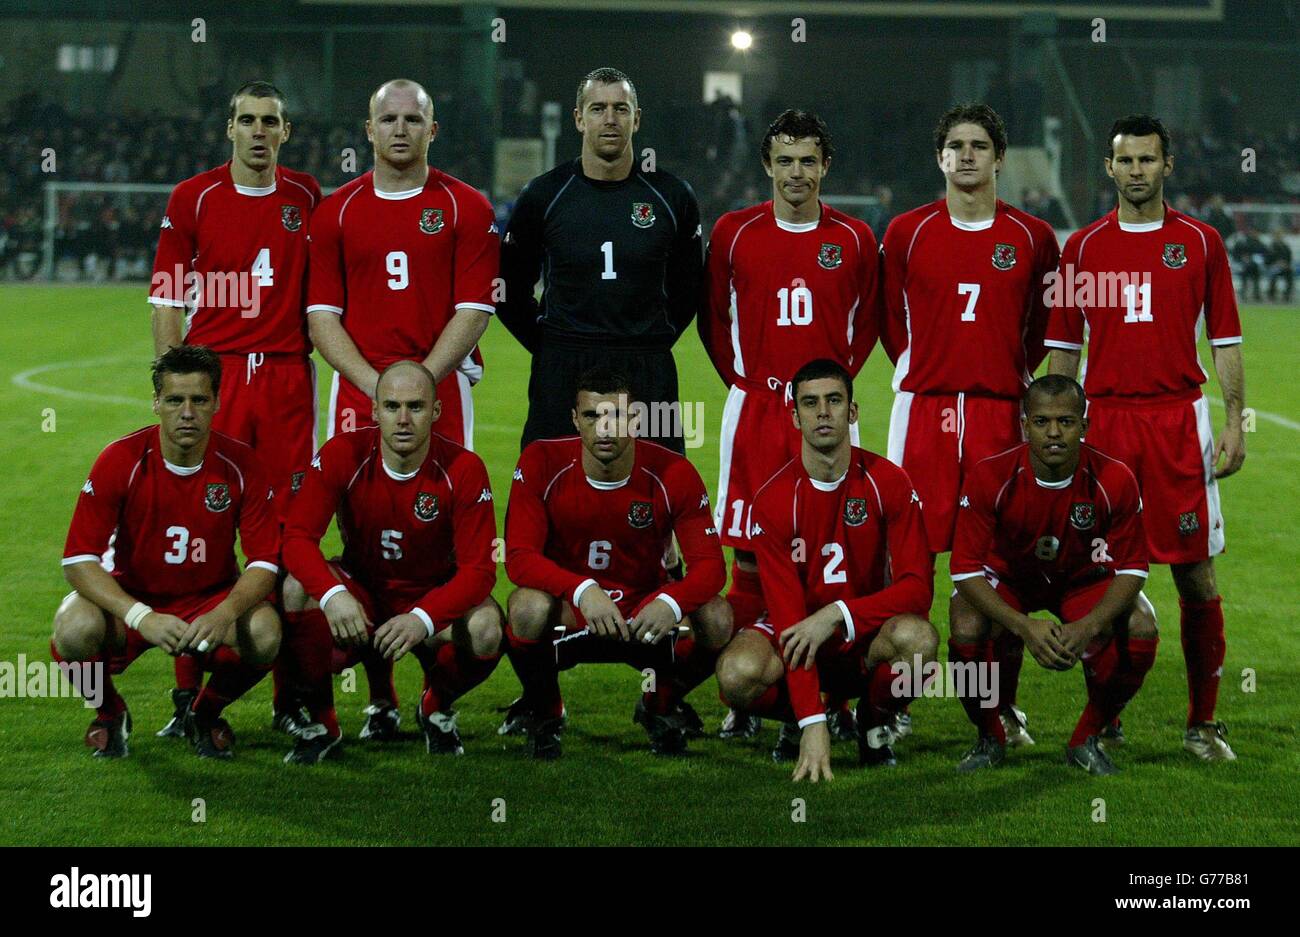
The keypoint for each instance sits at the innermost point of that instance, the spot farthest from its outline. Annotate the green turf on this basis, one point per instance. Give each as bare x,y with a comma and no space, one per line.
607,788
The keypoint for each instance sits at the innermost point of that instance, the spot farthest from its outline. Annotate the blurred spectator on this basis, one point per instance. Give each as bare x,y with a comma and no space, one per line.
1281,269
1217,217
1041,204
1252,257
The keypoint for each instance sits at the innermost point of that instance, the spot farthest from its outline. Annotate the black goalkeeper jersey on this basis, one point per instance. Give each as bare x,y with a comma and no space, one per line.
619,261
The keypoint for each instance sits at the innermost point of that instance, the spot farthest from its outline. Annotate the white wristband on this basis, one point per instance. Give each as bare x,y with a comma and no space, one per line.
135,614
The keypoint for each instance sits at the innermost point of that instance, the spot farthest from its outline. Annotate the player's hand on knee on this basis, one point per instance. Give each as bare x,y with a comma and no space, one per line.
1076,636
653,622
801,642
399,634
347,619
602,614
1045,644
209,630
164,631
814,754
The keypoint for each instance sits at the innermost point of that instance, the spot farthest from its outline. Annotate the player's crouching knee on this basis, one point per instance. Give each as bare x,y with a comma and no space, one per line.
486,630
1142,619
712,623
740,678
262,642
79,629
293,597
912,635
528,611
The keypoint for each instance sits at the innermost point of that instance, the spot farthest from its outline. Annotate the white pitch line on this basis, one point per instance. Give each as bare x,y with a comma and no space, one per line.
1263,415
24,380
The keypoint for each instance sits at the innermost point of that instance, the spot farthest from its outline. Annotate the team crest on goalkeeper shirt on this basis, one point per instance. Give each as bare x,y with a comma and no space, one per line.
855,511
291,215
643,214
1004,256
426,506
1174,256
641,514
217,498
431,220
830,256
1083,514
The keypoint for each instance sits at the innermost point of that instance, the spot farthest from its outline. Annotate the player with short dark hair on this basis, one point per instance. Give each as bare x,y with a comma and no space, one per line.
150,556
404,261
963,320
415,514
231,274
788,280
616,243
589,520
1144,279
847,582
1053,525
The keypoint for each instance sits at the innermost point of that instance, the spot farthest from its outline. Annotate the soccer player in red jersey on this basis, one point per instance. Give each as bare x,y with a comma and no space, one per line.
589,519
1053,525
963,319
847,580
1145,279
789,280
151,557
415,514
403,264
231,274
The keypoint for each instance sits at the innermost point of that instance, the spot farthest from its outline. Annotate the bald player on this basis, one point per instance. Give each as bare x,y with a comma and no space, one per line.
403,260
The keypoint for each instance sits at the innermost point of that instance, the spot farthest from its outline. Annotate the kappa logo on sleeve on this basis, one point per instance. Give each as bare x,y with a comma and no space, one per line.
484,496
964,502
315,463
704,500
519,474
87,488
166,223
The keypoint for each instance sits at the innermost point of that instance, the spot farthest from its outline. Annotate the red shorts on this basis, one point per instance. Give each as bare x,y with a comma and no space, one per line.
390,603
1170,448
350,409
758,439
841,672
269,402
937,439
186,608
1066,604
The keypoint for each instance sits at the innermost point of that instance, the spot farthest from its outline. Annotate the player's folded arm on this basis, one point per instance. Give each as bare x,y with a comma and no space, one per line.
527,565
521,267
706,569
309,518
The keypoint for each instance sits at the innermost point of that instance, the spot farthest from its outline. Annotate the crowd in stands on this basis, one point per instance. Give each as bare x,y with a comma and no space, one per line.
106,235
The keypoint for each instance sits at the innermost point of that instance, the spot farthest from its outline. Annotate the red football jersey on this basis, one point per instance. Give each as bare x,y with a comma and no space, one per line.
427,536
167,532
565,530
781,295
964,303
246,251
858,542
1151,288
397,265
1049,536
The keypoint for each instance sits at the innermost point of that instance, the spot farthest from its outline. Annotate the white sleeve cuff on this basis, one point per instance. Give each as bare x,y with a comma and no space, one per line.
324,599
322,307
849,633
806,721
481,307
179,303
424,617
1131,572
582,587
1068,346
671,603
80,558
263,564
958,577
1230,340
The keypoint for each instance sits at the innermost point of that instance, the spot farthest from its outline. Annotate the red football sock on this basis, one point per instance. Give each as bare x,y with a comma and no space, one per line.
456,671
189,672
309,663
882,702
1203,651
693,664
1009,652
379,677
1114,673
745,596
534,663
112,703
231,678
985,719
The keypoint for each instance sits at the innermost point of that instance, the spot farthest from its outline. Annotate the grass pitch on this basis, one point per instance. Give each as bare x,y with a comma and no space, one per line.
74,360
